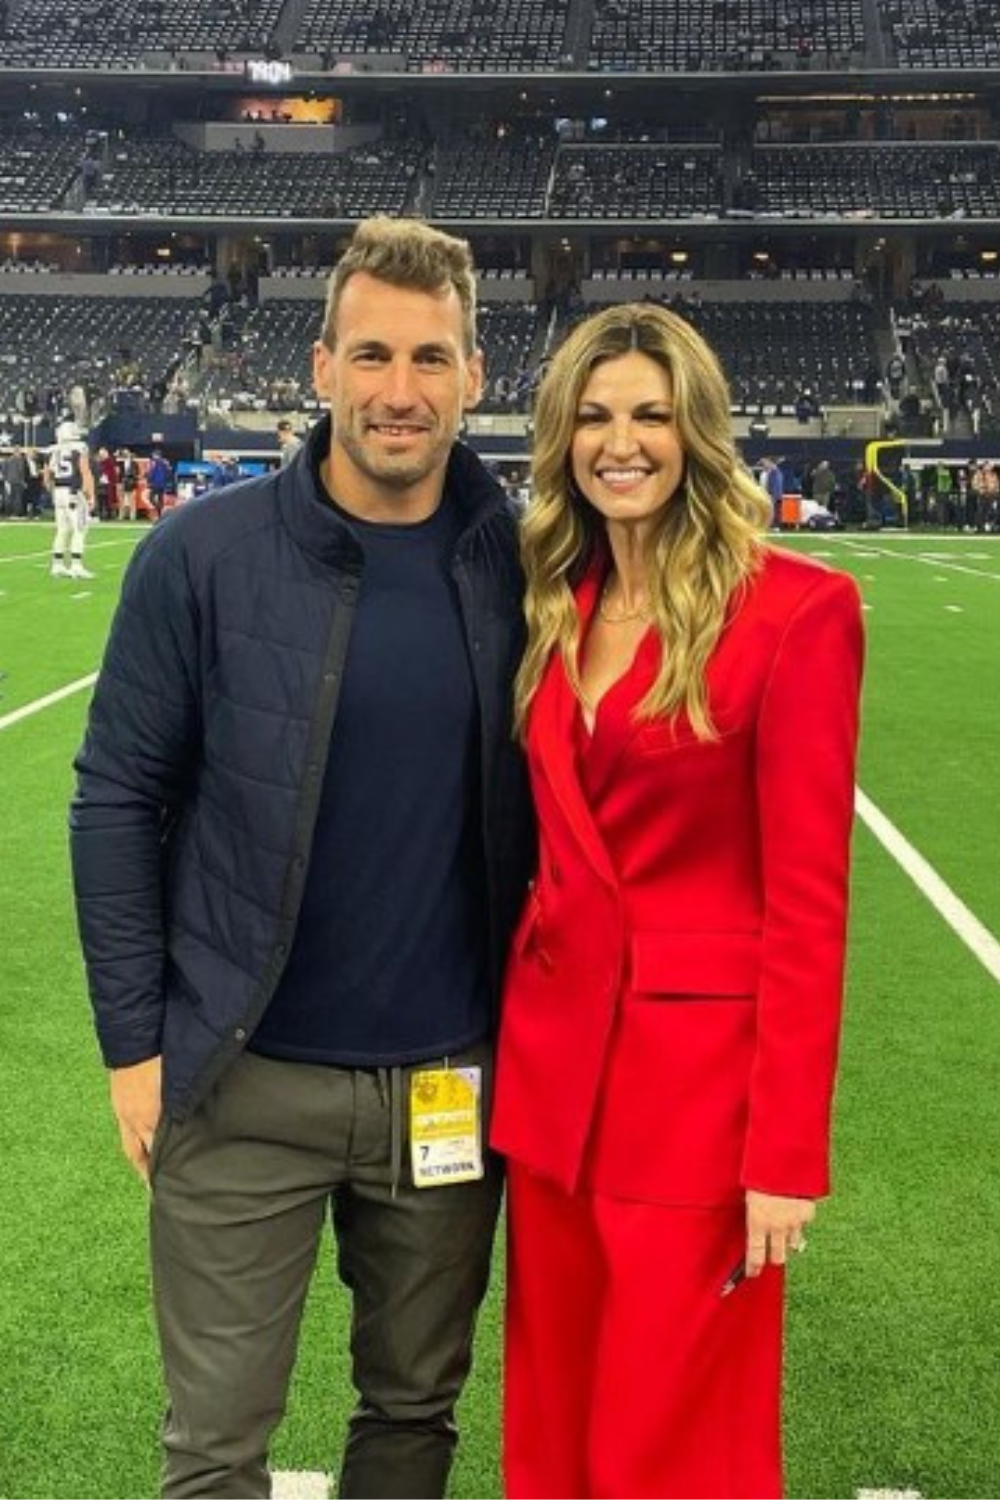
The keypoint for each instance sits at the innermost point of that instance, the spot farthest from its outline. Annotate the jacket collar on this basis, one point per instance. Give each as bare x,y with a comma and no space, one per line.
552,721
326,533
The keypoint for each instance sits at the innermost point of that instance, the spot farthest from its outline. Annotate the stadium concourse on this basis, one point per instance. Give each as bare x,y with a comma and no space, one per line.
816,186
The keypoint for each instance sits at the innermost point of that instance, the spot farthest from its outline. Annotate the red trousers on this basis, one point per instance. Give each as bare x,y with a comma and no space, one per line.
627,1374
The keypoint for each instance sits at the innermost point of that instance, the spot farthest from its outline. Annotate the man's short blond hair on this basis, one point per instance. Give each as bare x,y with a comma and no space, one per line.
406,253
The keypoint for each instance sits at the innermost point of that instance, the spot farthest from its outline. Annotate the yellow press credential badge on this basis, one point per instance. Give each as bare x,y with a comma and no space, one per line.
445,1137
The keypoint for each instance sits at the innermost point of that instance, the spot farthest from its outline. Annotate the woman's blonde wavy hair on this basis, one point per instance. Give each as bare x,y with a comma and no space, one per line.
705,544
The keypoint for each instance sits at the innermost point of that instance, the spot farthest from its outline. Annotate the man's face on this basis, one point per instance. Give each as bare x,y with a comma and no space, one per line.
398,381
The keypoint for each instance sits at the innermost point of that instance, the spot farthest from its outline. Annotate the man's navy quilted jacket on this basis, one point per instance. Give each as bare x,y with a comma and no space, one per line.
201,769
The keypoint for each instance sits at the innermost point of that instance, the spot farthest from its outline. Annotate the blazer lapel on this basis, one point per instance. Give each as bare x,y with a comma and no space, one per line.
552,727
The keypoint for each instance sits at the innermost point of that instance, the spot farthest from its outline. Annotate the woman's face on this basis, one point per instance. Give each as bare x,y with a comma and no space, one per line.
626,454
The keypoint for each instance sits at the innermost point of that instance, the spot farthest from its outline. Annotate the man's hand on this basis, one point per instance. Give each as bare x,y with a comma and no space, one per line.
136,1101
774,1228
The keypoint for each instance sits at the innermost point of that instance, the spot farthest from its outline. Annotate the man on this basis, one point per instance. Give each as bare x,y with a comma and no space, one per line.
773,483
158,479
107,484
299,766
70,479
288,443
15,470
128,470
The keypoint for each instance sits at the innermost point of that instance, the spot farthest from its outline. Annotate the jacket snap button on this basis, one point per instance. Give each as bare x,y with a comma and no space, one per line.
239,1034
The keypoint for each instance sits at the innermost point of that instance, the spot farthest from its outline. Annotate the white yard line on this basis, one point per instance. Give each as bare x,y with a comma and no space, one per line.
888,1495
36,707
925,539
966,927
118,541
300,1484
930,560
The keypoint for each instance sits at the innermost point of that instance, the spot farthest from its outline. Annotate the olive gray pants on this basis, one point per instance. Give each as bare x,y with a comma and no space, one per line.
241,1191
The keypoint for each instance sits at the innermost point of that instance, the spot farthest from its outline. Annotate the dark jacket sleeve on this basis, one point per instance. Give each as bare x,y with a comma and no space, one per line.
138,758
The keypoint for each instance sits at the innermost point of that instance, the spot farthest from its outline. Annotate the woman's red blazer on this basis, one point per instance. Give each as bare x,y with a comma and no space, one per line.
672,1005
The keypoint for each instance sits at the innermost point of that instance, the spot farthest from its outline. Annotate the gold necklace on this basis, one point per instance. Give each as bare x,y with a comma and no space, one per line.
642,612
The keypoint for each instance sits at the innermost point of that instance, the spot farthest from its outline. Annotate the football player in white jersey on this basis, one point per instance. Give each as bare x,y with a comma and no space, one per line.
69,477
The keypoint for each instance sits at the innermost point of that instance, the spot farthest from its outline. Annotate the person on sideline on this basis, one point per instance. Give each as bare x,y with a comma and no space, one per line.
159,478
689,698
300,766
128,484
288,443
70,479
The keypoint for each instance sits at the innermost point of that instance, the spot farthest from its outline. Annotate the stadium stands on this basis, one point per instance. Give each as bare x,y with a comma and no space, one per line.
36,169
886,181
164,176
824,351
49,343
963,344
118,33
637,182
567,181
468,35
724,35
942,33
499,179
512,174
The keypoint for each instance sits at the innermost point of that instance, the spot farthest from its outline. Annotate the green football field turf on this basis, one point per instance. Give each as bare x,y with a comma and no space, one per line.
894,1348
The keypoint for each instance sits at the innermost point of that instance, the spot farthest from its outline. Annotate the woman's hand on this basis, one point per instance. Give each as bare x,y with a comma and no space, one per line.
774,1228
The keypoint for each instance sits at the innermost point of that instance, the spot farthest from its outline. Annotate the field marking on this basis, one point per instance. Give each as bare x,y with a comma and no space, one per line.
300,1484
888,1495
955,609
929,559
118,541
967,927
35,707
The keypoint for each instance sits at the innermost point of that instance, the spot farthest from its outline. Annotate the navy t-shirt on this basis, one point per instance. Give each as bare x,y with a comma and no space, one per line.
389,961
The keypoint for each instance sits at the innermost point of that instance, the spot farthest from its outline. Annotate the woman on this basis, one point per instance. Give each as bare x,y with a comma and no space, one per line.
689,702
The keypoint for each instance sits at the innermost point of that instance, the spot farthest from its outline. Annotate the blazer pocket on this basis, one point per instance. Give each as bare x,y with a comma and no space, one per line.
696,965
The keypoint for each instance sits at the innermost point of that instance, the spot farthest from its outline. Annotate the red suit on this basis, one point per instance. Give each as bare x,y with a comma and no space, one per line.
669,1039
